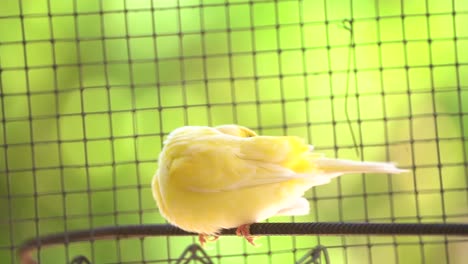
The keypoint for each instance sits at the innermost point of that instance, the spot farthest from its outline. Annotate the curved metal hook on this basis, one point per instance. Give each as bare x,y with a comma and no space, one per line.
348,24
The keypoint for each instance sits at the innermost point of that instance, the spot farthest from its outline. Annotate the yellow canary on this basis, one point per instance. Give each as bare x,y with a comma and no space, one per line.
211,178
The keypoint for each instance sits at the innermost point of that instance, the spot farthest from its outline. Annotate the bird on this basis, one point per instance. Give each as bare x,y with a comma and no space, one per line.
227,176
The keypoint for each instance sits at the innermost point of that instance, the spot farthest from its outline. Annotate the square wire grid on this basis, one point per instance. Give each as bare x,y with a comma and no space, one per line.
89,89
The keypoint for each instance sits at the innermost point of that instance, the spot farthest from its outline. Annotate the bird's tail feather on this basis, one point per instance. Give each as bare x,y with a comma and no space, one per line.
339,166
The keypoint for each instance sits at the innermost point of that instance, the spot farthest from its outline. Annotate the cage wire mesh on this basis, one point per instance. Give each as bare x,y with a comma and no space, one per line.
89,90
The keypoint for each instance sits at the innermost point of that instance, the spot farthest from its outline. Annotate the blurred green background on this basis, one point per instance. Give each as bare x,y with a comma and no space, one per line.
89,89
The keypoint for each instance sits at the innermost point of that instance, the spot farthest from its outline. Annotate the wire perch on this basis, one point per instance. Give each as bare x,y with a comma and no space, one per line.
276,229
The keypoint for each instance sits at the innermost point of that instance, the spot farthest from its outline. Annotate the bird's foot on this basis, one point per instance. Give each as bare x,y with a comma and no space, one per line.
203,238
244,231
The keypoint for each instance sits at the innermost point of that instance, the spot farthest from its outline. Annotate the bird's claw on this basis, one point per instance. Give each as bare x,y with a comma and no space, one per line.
203,238
244,231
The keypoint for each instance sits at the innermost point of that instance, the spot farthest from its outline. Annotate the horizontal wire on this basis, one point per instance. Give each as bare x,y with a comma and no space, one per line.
150,87
154,161
136,10
183,58
215,31
185,107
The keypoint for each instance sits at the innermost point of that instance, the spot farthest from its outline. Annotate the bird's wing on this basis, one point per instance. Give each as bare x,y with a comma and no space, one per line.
216,164
272,149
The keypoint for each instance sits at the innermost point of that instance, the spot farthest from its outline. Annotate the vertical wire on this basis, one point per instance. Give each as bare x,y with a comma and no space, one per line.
204,64
334,123
153,29
159,100
181,66
111,129
7,169
284,121
134,120
332,110
280,52
413,159
300,10
83,122
57,123
255,74
136,135
231,83
314,190
359,149
349,27
436,127
231,63
31,130
182,69
412,141
386,134
460,100
255,71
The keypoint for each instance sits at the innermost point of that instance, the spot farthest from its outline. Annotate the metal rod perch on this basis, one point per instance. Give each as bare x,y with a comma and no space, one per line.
265,229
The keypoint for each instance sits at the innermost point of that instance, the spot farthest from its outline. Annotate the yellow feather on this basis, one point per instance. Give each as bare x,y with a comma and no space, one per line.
227,176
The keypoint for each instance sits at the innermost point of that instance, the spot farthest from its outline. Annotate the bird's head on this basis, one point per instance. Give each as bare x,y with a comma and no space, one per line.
235,130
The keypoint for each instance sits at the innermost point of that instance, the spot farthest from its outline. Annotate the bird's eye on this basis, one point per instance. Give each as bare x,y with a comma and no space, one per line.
248,133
